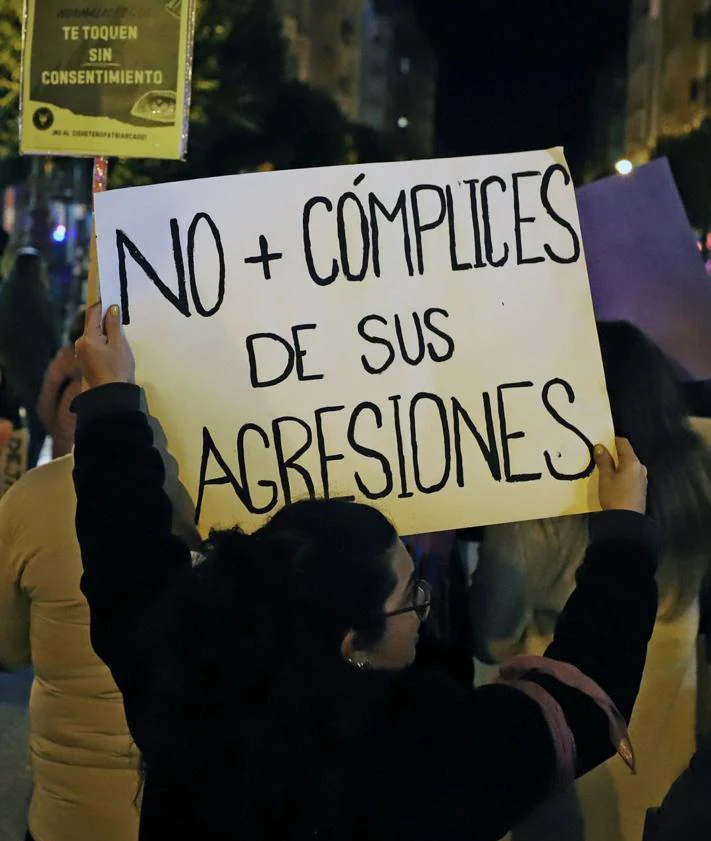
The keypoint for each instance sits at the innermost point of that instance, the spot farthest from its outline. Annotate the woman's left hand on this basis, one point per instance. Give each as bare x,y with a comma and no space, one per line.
104,355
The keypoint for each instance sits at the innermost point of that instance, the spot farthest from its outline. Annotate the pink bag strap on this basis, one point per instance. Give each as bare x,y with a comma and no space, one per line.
514,673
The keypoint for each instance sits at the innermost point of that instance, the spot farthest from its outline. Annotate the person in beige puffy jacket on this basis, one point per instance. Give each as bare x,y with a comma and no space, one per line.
84,764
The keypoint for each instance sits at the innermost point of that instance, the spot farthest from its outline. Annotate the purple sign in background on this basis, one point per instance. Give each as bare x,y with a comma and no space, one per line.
644,263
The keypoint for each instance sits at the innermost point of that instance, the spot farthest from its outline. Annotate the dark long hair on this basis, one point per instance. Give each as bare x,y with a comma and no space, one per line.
254,702
648,407
29,335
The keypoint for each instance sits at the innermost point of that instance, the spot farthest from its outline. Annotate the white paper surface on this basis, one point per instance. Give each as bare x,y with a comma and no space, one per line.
522,333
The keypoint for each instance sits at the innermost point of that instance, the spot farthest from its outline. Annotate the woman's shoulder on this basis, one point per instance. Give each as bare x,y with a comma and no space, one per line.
474,751
421,697
398,700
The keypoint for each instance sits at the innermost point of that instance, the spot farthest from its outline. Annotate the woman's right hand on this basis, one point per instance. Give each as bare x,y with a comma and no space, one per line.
622,487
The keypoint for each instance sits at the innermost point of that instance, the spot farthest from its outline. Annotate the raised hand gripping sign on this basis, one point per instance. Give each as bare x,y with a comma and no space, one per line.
417,335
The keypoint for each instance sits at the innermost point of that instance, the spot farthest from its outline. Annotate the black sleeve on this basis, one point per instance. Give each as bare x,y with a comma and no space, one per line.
603,631
488,755
130,557
456,764
606,625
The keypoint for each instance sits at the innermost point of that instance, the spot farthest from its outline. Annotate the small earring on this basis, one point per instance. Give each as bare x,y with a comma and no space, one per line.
361,665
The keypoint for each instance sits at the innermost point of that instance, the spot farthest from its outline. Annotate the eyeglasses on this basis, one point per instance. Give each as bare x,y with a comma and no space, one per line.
421,602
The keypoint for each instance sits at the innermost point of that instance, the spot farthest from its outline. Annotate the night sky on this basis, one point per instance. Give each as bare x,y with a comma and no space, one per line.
518,74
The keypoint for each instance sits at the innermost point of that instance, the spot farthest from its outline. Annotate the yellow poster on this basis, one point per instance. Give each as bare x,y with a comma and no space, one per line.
107,79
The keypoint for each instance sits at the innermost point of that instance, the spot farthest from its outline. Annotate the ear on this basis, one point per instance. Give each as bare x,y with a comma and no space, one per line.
351,653
348,647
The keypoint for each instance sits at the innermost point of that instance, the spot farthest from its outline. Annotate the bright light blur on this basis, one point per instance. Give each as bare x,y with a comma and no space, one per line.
59,234
624,167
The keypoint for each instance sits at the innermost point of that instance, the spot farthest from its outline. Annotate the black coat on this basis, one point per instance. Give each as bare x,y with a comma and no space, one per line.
429,760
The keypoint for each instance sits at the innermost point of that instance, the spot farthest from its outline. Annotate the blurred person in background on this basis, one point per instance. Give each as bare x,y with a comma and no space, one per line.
62,383
29,338
445,639
84,763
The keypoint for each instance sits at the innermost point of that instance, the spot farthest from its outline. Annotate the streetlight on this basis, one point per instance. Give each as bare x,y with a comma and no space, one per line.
59,234
624,167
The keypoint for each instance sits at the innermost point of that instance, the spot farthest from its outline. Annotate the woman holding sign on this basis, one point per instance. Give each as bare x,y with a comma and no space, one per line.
268,688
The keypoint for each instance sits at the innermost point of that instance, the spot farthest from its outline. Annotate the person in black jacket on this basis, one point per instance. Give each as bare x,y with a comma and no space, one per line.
268,687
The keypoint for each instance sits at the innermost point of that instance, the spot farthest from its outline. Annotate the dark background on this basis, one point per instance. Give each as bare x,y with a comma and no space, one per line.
519,75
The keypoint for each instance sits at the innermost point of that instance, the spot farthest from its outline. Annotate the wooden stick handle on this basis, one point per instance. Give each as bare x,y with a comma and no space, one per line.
93,292
99,184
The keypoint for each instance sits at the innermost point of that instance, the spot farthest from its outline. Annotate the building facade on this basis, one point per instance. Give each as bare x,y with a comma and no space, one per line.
324,39
669,72
606,138
398,77
295,17
373,59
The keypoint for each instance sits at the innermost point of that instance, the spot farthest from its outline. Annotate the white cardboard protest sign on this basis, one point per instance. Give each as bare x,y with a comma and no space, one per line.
419,335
